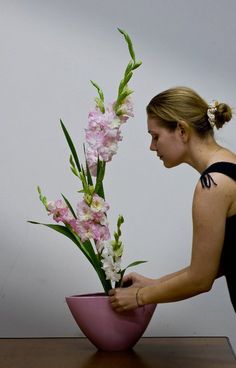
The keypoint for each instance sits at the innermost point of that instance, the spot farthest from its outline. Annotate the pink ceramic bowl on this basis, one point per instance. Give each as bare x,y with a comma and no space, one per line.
105,328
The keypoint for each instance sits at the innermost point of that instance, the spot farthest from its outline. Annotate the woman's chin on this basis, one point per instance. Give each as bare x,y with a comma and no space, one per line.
169,164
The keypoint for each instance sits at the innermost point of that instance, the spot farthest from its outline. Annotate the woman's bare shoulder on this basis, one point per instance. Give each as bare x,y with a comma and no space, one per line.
220,195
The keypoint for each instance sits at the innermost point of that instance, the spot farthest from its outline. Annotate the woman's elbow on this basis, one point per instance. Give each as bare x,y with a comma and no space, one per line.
207,286
203,285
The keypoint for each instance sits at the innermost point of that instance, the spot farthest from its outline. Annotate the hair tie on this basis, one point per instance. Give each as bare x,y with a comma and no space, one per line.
212,107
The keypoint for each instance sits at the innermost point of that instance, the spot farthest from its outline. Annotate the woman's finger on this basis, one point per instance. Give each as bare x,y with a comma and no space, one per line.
111,292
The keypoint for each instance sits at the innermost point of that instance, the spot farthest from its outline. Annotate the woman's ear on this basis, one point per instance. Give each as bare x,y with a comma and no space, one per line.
183,130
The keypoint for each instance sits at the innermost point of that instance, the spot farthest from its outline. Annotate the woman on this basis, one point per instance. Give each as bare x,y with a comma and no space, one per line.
181,125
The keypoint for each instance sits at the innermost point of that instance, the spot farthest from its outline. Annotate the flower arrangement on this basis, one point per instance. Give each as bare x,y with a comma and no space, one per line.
88,226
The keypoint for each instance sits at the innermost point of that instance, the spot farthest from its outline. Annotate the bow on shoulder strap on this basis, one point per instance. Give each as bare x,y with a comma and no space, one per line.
207,181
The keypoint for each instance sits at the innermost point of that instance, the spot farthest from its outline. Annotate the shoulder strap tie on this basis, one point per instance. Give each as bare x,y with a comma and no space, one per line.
206,180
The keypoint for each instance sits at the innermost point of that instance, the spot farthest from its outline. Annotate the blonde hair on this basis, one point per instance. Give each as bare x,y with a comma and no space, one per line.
182,103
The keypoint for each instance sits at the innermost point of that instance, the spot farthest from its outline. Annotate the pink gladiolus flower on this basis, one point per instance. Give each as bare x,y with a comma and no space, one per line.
100,232
97,127
92,158
98,204
103,134
60,211
127,109
113,120
91,230
84,212
106,153
95,212
100,218
92,221
84,230
73,224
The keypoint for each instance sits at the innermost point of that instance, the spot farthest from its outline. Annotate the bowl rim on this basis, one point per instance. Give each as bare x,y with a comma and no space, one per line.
89,295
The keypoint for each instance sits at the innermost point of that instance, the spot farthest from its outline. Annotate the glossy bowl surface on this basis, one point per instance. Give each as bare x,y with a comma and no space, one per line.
105,328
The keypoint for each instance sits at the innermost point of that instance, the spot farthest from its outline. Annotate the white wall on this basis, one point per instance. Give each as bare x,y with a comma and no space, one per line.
49,52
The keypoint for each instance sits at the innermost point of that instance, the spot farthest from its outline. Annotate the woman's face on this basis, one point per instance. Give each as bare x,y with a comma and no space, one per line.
168,144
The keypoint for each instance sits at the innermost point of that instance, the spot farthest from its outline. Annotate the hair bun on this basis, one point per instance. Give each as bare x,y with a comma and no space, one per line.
223,114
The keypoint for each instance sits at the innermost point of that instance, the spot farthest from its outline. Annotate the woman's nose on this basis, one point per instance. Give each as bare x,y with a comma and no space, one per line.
152,146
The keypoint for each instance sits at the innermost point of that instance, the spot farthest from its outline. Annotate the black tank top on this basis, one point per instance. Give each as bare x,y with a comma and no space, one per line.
228,256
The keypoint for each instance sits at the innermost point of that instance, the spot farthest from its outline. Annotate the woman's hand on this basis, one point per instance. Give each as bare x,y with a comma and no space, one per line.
123,299
126,298
135,280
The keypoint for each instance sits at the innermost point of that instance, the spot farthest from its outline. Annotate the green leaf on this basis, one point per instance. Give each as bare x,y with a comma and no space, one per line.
85,247
88,250
99,101
121,98
128,77
129,42
42,198
135,264
129,67
60,229
100,104
101,165
118,284
83,179
120,221
123,91
73,167
101,95
69,205
123,84
71,145
81,191
74,171
121,87
137,64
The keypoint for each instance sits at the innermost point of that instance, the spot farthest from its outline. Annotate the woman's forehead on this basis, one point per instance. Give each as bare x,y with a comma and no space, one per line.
153,124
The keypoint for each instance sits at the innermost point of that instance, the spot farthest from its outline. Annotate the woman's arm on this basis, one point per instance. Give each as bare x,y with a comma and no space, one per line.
134,279
210,208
